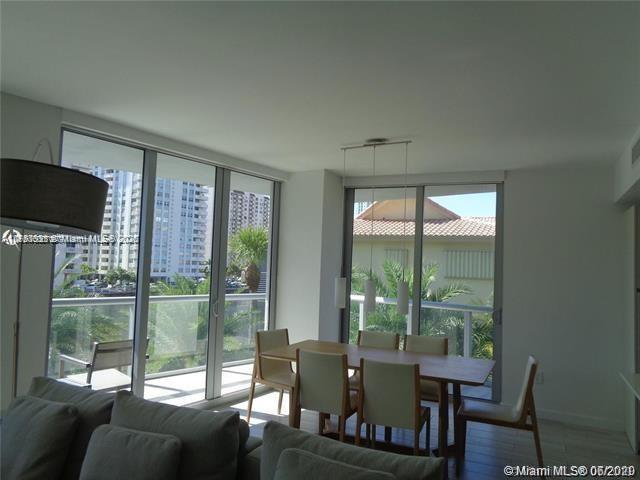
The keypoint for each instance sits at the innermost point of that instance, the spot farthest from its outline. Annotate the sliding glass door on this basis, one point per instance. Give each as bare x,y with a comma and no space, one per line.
183,263
383,232
178,325
458,261
94,279
446,251
247,276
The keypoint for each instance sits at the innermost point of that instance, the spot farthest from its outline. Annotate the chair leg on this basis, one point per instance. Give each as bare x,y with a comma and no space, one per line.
368,434
373,436
416,441
280,402
321,423
251,390
463,437
387,434
358,428
536,434
428,435
342,421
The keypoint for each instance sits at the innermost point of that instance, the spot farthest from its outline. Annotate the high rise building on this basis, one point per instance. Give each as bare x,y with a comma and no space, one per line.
248,209
180,234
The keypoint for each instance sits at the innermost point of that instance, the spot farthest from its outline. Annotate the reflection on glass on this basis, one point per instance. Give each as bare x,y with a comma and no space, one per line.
383,251
180,281
94,281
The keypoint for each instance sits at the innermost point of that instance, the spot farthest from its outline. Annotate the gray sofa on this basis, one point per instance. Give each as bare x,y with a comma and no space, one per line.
60,431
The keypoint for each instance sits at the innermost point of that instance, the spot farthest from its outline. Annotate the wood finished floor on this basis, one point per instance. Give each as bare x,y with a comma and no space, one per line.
489,448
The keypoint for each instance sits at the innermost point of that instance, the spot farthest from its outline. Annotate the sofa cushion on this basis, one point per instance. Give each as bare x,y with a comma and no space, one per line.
278,437
94,409
209,439
117,452
249,465
36,437
294,464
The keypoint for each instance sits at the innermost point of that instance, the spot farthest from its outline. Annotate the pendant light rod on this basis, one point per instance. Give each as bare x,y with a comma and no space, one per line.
376,144
406,180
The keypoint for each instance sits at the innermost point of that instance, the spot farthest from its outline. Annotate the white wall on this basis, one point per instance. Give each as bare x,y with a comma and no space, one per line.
330,267
309,255
563,292
629,275
24,123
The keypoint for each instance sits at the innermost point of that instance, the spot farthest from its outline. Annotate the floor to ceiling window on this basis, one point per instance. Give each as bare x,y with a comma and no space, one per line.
458,260
452,283
383,231
180,280
169,204
94,282
247,276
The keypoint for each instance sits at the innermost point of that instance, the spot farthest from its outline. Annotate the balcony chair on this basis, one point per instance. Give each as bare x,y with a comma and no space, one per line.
276,374
104,366
502,415
322,384
389,394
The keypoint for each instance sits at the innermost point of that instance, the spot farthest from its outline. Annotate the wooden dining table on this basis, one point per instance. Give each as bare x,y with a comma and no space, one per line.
444,369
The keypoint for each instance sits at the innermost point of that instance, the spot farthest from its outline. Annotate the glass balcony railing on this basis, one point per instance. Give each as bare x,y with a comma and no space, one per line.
177,331
469,328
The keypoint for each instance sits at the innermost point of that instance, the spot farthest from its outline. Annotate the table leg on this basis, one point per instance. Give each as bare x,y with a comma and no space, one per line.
443,424
457,400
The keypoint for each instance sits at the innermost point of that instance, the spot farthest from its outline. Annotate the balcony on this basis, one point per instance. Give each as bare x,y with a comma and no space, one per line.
176,367
177,332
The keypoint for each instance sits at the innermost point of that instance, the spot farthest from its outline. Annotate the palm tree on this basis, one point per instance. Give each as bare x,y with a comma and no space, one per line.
249,246
387,318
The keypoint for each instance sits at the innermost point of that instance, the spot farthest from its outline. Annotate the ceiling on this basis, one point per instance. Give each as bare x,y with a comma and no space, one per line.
475,86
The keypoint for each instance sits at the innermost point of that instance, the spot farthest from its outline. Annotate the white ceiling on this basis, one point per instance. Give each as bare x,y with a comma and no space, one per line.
476,86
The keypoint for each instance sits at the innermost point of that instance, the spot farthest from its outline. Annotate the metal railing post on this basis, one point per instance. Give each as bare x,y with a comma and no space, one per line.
468,334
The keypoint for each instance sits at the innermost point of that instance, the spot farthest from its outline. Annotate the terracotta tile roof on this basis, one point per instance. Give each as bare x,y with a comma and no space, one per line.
468,227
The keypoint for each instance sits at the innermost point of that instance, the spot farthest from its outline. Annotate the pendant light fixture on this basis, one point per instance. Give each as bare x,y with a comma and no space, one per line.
369,284
49,198
403,285
340,283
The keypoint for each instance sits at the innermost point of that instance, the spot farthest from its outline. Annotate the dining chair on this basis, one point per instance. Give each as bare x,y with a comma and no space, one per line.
276,374
502,415
429,390
386,340
322,385
389,395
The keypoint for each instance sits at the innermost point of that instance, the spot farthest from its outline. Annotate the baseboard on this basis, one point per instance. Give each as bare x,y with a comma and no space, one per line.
600,423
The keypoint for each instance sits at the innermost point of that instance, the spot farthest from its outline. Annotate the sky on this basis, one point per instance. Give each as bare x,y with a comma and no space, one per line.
470,204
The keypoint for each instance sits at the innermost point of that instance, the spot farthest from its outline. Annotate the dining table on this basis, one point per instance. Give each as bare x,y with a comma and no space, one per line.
444,369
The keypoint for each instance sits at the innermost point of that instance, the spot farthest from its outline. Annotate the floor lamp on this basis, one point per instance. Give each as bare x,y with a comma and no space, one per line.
50,199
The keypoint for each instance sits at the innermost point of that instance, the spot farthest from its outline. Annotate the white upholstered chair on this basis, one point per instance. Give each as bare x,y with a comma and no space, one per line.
386,340
521,416
429,390
276,374
389,395
322,385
